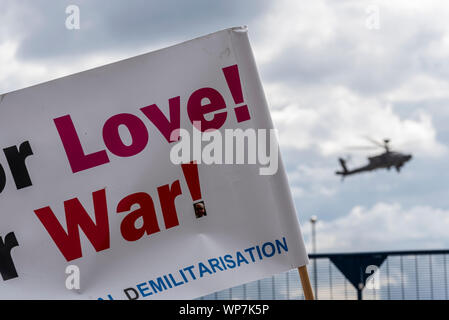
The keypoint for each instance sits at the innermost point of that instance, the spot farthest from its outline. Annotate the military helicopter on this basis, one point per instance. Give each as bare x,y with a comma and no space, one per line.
386,160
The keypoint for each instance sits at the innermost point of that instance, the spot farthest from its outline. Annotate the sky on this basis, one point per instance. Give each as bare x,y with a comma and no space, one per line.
334,72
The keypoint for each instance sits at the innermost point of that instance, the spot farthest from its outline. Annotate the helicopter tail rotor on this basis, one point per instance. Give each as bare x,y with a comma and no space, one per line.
343,165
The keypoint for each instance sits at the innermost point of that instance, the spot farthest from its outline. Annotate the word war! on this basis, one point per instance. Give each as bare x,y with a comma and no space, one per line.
98,232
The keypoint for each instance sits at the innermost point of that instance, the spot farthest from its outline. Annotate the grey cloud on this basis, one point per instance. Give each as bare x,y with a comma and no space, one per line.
367,61
342,62
117,24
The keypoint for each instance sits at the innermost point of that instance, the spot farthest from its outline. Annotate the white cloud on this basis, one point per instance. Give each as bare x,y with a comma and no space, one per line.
14,73
291,22
338,118
385,226
331,80
17,74
420,87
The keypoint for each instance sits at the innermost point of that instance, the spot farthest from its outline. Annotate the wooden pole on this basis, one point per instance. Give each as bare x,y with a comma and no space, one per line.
305,281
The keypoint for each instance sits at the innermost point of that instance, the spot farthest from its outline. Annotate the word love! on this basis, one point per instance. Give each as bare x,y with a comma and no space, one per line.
197,109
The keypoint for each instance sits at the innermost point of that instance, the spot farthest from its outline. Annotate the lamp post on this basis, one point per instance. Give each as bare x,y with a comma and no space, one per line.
313,220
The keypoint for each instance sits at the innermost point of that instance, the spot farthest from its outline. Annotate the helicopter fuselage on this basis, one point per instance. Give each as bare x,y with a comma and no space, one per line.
385,160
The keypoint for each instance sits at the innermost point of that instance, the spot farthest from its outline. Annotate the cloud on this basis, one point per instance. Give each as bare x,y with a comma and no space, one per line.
330,44
420,87
18,74
338,118
385,226
330,80
37,47
14,72
40,24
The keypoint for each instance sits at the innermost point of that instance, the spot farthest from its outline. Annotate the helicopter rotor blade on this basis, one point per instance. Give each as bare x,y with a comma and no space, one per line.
382,145
362,148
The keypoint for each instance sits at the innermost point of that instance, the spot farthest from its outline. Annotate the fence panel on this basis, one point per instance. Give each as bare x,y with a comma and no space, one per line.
405,275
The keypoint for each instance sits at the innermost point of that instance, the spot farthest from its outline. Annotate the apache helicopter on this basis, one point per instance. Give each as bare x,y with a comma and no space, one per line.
386,160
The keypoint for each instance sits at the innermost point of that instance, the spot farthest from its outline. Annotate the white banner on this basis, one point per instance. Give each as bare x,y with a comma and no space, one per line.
100,199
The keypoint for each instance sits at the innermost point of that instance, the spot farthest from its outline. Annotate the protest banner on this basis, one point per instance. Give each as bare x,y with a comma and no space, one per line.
92,185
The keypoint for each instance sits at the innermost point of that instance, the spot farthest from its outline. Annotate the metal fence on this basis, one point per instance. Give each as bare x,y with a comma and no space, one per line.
395,275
